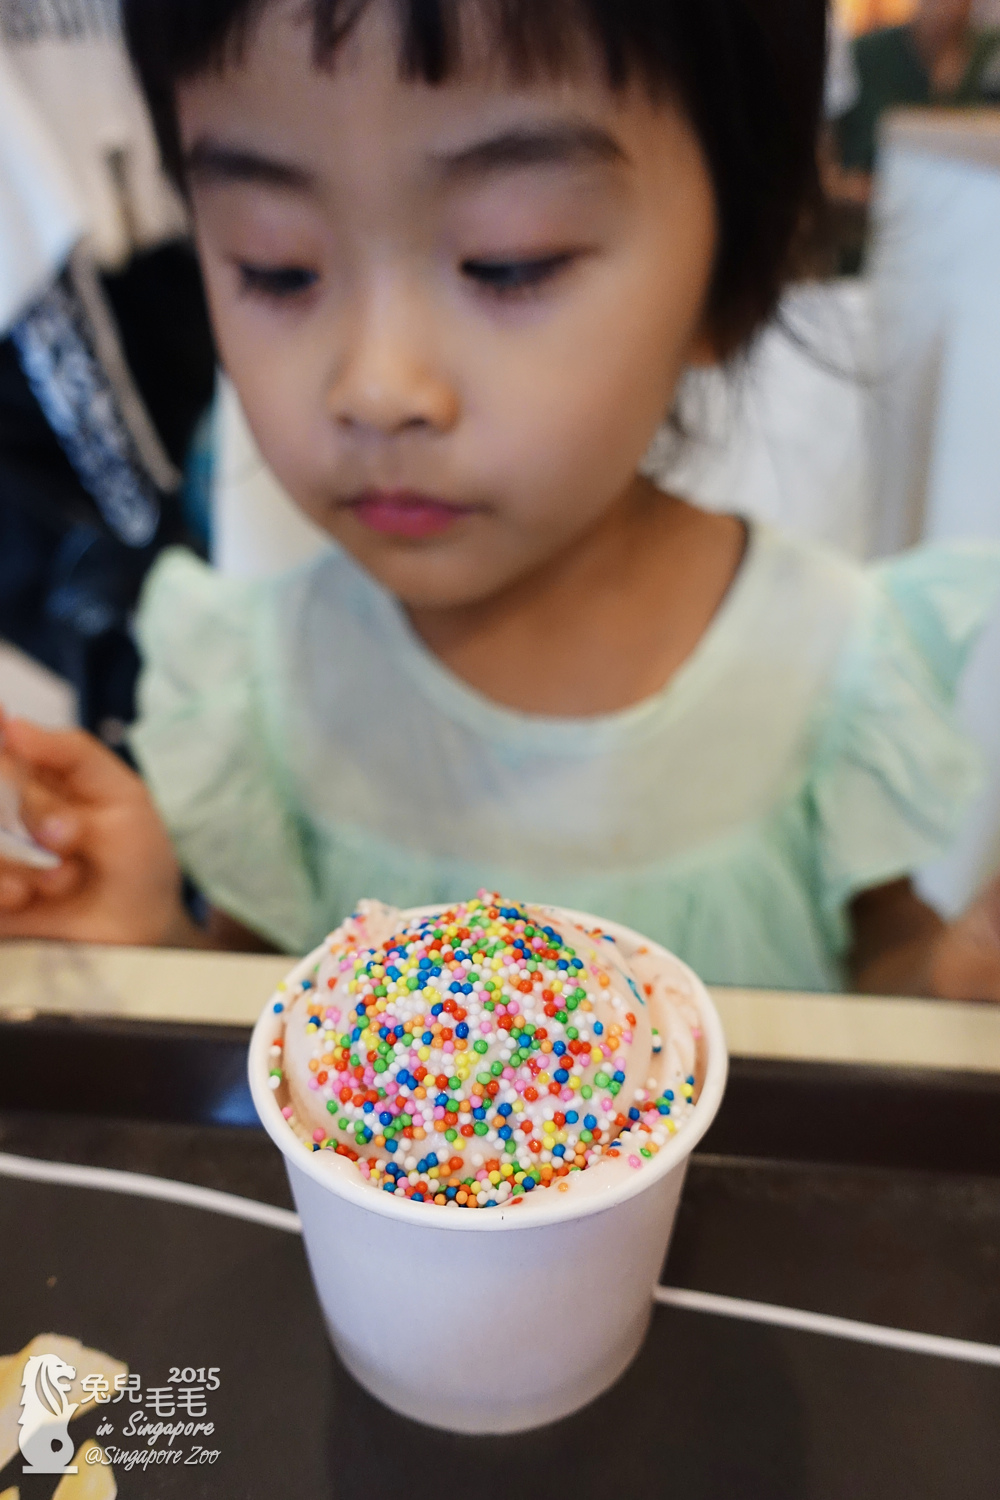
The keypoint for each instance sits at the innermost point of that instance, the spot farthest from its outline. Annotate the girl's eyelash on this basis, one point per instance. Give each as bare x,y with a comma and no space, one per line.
276,281
508,277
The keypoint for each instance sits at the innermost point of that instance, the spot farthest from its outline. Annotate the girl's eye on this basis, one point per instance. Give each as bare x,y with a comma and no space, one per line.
508,277
276,281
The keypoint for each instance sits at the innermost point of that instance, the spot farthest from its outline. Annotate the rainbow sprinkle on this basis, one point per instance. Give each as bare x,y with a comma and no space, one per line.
464,1061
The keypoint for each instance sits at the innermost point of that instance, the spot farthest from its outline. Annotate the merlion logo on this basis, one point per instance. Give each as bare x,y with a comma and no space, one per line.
45,1415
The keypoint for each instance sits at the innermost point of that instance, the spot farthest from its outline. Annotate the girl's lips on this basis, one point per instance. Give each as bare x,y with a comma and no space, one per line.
405,513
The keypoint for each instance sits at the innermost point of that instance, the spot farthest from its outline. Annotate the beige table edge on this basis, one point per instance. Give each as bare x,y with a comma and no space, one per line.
969,135
231,989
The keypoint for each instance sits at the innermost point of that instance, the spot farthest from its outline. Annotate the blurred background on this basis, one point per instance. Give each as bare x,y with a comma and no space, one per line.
866,417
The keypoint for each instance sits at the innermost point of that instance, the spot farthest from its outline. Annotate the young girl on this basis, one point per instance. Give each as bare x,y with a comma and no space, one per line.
458,254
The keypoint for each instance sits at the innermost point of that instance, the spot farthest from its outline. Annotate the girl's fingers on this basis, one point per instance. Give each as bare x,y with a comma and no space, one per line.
15,890
78,761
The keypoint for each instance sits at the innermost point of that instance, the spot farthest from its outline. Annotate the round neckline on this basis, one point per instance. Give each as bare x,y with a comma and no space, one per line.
581,735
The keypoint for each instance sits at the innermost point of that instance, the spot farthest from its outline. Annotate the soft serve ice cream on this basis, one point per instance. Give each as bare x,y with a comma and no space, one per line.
474,1055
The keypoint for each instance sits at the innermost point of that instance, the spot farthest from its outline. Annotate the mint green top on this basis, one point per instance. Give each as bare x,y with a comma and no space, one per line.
306,749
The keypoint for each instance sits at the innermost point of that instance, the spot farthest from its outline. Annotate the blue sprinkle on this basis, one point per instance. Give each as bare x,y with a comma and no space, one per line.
528,1184
427,1038
460,956
590,1121
385,1118
451,1192
392,1147
466,989
598,1028
368,1106
559,1048
436,1009
490,1203
417,1198
619,1077
422,1165
633,1114
424,963
562,963
461,1030
479,1114
442,1100
571,1117
669,1094
392,972
505,1132
558,1150
504,1109
561,1076
278,1007
454,988
388,1187
431,1159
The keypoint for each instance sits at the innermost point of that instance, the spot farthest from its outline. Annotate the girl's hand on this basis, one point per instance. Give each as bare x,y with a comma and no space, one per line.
902,947
119,881
964,961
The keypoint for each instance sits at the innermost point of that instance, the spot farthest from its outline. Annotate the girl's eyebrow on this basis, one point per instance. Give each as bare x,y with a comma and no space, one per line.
560,144
209,160
557,144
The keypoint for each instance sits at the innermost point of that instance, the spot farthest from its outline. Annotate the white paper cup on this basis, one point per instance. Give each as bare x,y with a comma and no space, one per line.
498,1320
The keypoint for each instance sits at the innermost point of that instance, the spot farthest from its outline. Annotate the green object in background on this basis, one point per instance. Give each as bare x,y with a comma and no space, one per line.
891,73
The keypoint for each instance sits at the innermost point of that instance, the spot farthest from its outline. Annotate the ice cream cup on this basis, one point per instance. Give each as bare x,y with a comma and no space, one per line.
499,1320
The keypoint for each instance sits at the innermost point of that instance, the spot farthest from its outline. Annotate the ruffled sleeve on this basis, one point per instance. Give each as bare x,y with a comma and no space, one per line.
201,741
894,774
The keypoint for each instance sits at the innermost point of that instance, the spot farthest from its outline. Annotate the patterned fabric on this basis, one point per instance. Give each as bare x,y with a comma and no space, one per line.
56,346
30,20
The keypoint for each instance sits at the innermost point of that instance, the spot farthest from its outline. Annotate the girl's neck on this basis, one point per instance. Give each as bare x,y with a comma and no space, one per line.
605,625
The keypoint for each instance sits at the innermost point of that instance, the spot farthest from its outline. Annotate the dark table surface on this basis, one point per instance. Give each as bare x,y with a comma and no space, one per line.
823,1189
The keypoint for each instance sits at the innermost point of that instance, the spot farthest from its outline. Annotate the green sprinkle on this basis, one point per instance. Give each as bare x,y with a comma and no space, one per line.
496,1069
451,1135
587,1091
484,1078
481,1127
602,1080
331,1106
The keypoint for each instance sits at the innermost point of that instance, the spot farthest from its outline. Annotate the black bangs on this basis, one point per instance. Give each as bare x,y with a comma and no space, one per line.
748,74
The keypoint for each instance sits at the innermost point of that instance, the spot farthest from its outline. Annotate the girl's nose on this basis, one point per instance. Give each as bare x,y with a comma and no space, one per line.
386,382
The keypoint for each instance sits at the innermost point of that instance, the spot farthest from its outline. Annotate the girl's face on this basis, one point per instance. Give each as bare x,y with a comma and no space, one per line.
455,315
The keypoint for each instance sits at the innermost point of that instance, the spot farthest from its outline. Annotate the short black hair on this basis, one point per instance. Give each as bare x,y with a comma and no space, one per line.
749,74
